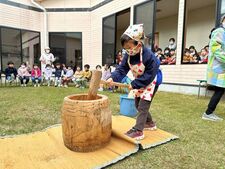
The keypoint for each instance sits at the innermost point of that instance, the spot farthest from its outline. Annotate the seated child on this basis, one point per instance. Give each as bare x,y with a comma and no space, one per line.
207,49
106,74
48,74
58,75
187,58
77,75
86,76
98,67
194,55
144,66
67,77
36,75
203,56
166,56
64,69
23,74
172,59
159,54
10,72
119,57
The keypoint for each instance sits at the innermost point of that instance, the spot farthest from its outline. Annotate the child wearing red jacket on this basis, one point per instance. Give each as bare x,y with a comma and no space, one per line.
36,75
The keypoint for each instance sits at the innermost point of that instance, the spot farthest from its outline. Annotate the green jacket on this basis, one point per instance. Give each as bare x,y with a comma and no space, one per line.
216,61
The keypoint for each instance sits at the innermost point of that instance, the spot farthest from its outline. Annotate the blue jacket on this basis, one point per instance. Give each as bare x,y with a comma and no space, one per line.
159,76
151,69
9,71
58,72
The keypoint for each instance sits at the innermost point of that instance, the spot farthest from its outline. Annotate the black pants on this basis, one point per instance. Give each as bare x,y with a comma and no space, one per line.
143,111
215,99
25,78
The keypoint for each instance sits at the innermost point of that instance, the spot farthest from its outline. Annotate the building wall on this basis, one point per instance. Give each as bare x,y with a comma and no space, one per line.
95,2
20,18
73,22
26,2
66,4
185,74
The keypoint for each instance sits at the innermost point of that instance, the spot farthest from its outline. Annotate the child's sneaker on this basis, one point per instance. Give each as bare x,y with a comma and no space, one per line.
65,86
100,89
150,126
38,85
25,85
34,85
135,134
211,117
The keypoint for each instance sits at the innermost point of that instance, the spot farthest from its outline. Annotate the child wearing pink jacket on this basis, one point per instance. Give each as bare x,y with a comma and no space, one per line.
36,75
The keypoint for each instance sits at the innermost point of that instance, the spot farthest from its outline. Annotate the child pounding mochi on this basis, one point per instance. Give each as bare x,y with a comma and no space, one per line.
144,66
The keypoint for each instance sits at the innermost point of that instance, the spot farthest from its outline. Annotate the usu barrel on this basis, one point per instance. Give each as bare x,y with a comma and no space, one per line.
86,124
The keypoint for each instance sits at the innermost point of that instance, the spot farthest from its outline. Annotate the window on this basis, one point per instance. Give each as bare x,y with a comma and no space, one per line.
30,47
144,13
11,46
18,45
196,39
67,47
109,35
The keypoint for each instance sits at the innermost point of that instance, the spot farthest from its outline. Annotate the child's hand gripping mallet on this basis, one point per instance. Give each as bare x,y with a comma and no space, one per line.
110,82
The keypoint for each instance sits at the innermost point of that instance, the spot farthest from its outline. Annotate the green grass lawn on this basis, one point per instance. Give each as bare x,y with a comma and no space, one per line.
201,143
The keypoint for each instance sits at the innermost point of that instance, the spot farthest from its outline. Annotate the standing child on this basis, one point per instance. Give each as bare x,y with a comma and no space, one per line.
36,75
67,77
10,72
144,66
77,75
48,74
24,75
58,75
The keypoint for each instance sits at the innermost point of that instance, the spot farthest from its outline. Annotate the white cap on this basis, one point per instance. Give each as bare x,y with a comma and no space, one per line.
135,32
47,48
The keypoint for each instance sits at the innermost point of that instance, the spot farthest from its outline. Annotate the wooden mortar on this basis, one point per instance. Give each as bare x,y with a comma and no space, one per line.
86,121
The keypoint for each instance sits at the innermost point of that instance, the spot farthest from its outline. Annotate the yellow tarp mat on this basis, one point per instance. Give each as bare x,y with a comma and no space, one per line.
45,149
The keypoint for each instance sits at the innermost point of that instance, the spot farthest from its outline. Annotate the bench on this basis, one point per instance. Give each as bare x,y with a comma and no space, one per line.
202,83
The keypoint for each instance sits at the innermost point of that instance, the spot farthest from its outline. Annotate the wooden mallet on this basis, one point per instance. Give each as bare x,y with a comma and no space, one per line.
94,84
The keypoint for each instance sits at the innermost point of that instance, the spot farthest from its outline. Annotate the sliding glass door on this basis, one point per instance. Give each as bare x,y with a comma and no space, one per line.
109,38
67,47
145,13
114,26
18,46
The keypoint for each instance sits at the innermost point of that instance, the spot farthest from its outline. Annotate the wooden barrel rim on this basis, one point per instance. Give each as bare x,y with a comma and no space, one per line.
68,98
